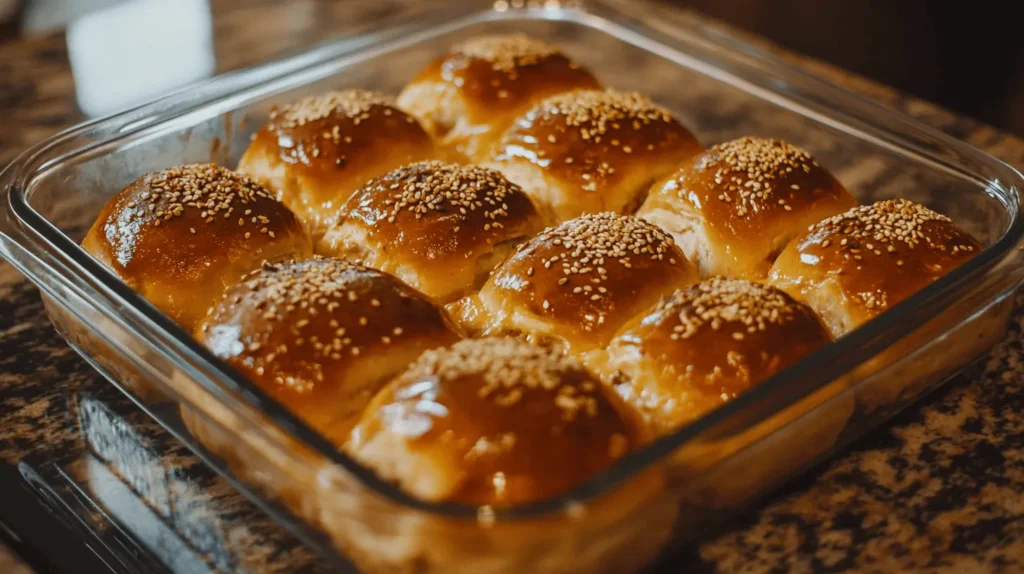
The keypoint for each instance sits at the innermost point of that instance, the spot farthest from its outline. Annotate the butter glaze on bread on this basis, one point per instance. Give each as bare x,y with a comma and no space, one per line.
582,280
323,335
706,344
852,267
493,422
732,208
590,151
440,227
180,236
315,153
470,96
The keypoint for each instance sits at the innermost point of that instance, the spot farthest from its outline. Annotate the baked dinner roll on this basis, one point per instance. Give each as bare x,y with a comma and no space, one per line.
322,335
853,266
470,96
493,422
732,208
580,281
439,227
180,236
704,345
591,151
318,151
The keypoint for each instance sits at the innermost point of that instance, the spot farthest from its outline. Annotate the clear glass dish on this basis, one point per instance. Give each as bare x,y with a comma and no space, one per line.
652,501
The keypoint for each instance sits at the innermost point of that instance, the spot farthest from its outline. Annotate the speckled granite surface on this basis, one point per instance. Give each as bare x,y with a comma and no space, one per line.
937,491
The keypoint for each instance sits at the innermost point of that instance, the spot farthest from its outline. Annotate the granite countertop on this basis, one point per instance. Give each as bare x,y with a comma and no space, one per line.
938,490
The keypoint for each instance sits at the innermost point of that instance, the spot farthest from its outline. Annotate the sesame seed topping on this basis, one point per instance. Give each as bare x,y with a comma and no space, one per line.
747,171
596,112
207,190
442,190
507,52
354,104
508,368
718,301
582,249
895,223
311,299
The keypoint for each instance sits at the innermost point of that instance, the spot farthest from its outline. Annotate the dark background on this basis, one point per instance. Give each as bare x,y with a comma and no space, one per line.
966,56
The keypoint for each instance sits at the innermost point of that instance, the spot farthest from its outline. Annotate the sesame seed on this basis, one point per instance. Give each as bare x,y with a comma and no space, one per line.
204,189
354,104
719,301
304,297
586,246
506,53
450,194
597,112
752,167
508,368
892,222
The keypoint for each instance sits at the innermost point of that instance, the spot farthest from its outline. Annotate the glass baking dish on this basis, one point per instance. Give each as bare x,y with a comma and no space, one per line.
653,501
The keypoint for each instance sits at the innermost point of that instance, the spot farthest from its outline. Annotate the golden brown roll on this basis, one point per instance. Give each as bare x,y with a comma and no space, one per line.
318,151
734,207
180,236
439,227
592,151
470,96
704,345
323,335
853,266
580,281
493,422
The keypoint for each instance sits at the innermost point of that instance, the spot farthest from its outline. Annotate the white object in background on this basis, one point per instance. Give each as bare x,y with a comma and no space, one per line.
42,16
135,51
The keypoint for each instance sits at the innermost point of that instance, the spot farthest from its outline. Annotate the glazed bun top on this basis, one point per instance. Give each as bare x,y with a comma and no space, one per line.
753,195
504,422
437,218
320,334
591,274
878,254
179,236
330,145
499,76
595,141
722,336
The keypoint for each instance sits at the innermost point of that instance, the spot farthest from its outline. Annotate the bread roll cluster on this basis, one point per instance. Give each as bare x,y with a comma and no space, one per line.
507,278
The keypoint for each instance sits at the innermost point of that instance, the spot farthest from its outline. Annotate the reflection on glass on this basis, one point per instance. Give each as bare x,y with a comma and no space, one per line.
133,52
